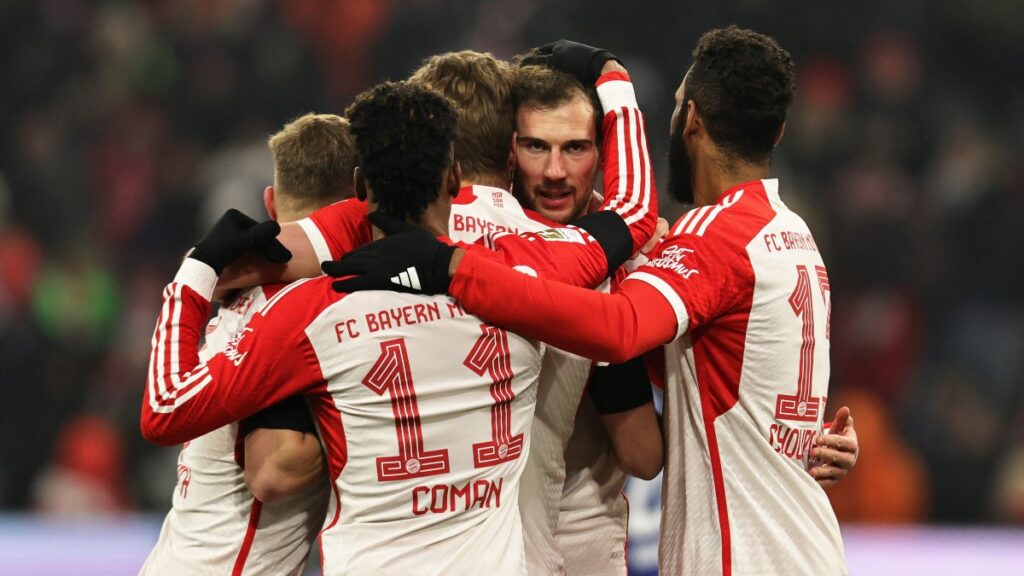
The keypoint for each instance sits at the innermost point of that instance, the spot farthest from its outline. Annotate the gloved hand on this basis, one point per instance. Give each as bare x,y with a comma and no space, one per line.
235,234
580,60
408,259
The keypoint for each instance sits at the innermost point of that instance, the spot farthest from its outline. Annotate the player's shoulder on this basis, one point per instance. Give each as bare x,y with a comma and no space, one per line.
303,298
346,208
735,218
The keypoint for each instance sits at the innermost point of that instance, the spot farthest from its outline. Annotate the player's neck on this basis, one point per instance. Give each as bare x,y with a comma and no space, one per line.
492,180
714,178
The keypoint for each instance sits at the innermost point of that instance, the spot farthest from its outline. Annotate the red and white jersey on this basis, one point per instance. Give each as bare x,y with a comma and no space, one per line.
746,386
426,436
492,216
215,524
477,213
593,511
746,376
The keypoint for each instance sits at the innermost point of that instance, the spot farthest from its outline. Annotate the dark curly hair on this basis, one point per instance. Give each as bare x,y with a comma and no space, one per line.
742,83
403,134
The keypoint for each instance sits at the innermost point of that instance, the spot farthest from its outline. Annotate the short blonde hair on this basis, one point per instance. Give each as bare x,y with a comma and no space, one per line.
314,157
480,85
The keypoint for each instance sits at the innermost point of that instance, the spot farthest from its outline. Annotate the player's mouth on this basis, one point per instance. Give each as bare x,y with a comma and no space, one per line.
554,199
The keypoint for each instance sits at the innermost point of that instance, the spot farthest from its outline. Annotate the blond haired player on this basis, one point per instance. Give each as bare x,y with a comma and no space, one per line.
251,498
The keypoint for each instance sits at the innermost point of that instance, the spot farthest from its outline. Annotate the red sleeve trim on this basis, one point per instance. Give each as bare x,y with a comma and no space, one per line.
611,76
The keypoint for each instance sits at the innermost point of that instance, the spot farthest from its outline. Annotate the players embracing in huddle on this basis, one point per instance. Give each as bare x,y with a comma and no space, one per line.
385,373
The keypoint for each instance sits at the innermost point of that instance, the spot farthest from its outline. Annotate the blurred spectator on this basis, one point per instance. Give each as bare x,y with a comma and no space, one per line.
890,483
86,477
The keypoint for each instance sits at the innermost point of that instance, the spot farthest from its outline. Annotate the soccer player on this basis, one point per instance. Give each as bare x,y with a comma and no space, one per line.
739,296
456,410
616,433
217,523
483,86
557,157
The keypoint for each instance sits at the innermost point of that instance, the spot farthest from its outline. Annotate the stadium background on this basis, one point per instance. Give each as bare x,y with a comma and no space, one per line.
127,127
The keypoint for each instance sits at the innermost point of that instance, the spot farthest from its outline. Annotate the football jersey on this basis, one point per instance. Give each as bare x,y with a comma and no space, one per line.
593,510
746,376
216,525
492,216
426,437
745,393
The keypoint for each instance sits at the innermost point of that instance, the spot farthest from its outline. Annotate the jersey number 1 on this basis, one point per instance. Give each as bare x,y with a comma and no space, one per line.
391,374
801,406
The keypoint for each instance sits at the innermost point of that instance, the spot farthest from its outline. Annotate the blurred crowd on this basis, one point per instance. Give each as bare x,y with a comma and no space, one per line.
130,126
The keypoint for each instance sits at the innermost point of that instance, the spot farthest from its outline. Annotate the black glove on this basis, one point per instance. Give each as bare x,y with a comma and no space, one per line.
580,60
235,234
408,259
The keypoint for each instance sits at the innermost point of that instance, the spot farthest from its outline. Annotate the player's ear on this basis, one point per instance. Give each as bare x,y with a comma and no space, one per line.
360,184
455,179
269,202
694,120
778,137
513,161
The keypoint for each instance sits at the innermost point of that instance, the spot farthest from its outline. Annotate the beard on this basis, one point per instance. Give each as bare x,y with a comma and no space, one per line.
680,169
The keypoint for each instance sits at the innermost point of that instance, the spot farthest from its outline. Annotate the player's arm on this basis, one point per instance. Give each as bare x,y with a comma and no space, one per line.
184,397
836,452
687,284
628,179
604,327
622,395
327,234
580,255
267,362
250,270
282,450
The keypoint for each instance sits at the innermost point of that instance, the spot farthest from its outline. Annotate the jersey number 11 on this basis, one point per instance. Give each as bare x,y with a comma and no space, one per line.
391,374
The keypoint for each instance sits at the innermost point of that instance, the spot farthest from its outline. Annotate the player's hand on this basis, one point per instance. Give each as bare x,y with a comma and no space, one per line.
580,60
835,453
408,259
660,231
235,234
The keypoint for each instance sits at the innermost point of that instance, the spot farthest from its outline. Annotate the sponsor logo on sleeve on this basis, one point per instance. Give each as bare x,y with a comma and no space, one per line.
231,350
672,259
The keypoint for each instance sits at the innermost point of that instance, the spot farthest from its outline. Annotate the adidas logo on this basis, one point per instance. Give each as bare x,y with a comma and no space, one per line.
408,279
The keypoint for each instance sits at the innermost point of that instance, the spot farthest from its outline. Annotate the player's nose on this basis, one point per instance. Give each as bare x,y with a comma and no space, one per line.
554,168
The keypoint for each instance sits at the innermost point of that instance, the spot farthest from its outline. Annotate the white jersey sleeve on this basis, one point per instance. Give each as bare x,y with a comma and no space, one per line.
215,523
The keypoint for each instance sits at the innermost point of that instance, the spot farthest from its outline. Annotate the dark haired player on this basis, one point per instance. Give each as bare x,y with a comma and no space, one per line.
425,436
739,295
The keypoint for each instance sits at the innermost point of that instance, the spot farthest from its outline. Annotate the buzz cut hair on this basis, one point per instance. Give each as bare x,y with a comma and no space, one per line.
404,134
743,84
314,158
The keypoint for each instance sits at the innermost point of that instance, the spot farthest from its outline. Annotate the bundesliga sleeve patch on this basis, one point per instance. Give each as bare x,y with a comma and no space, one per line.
562,235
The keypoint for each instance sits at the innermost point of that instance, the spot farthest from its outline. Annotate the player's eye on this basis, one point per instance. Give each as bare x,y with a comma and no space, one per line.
576,147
